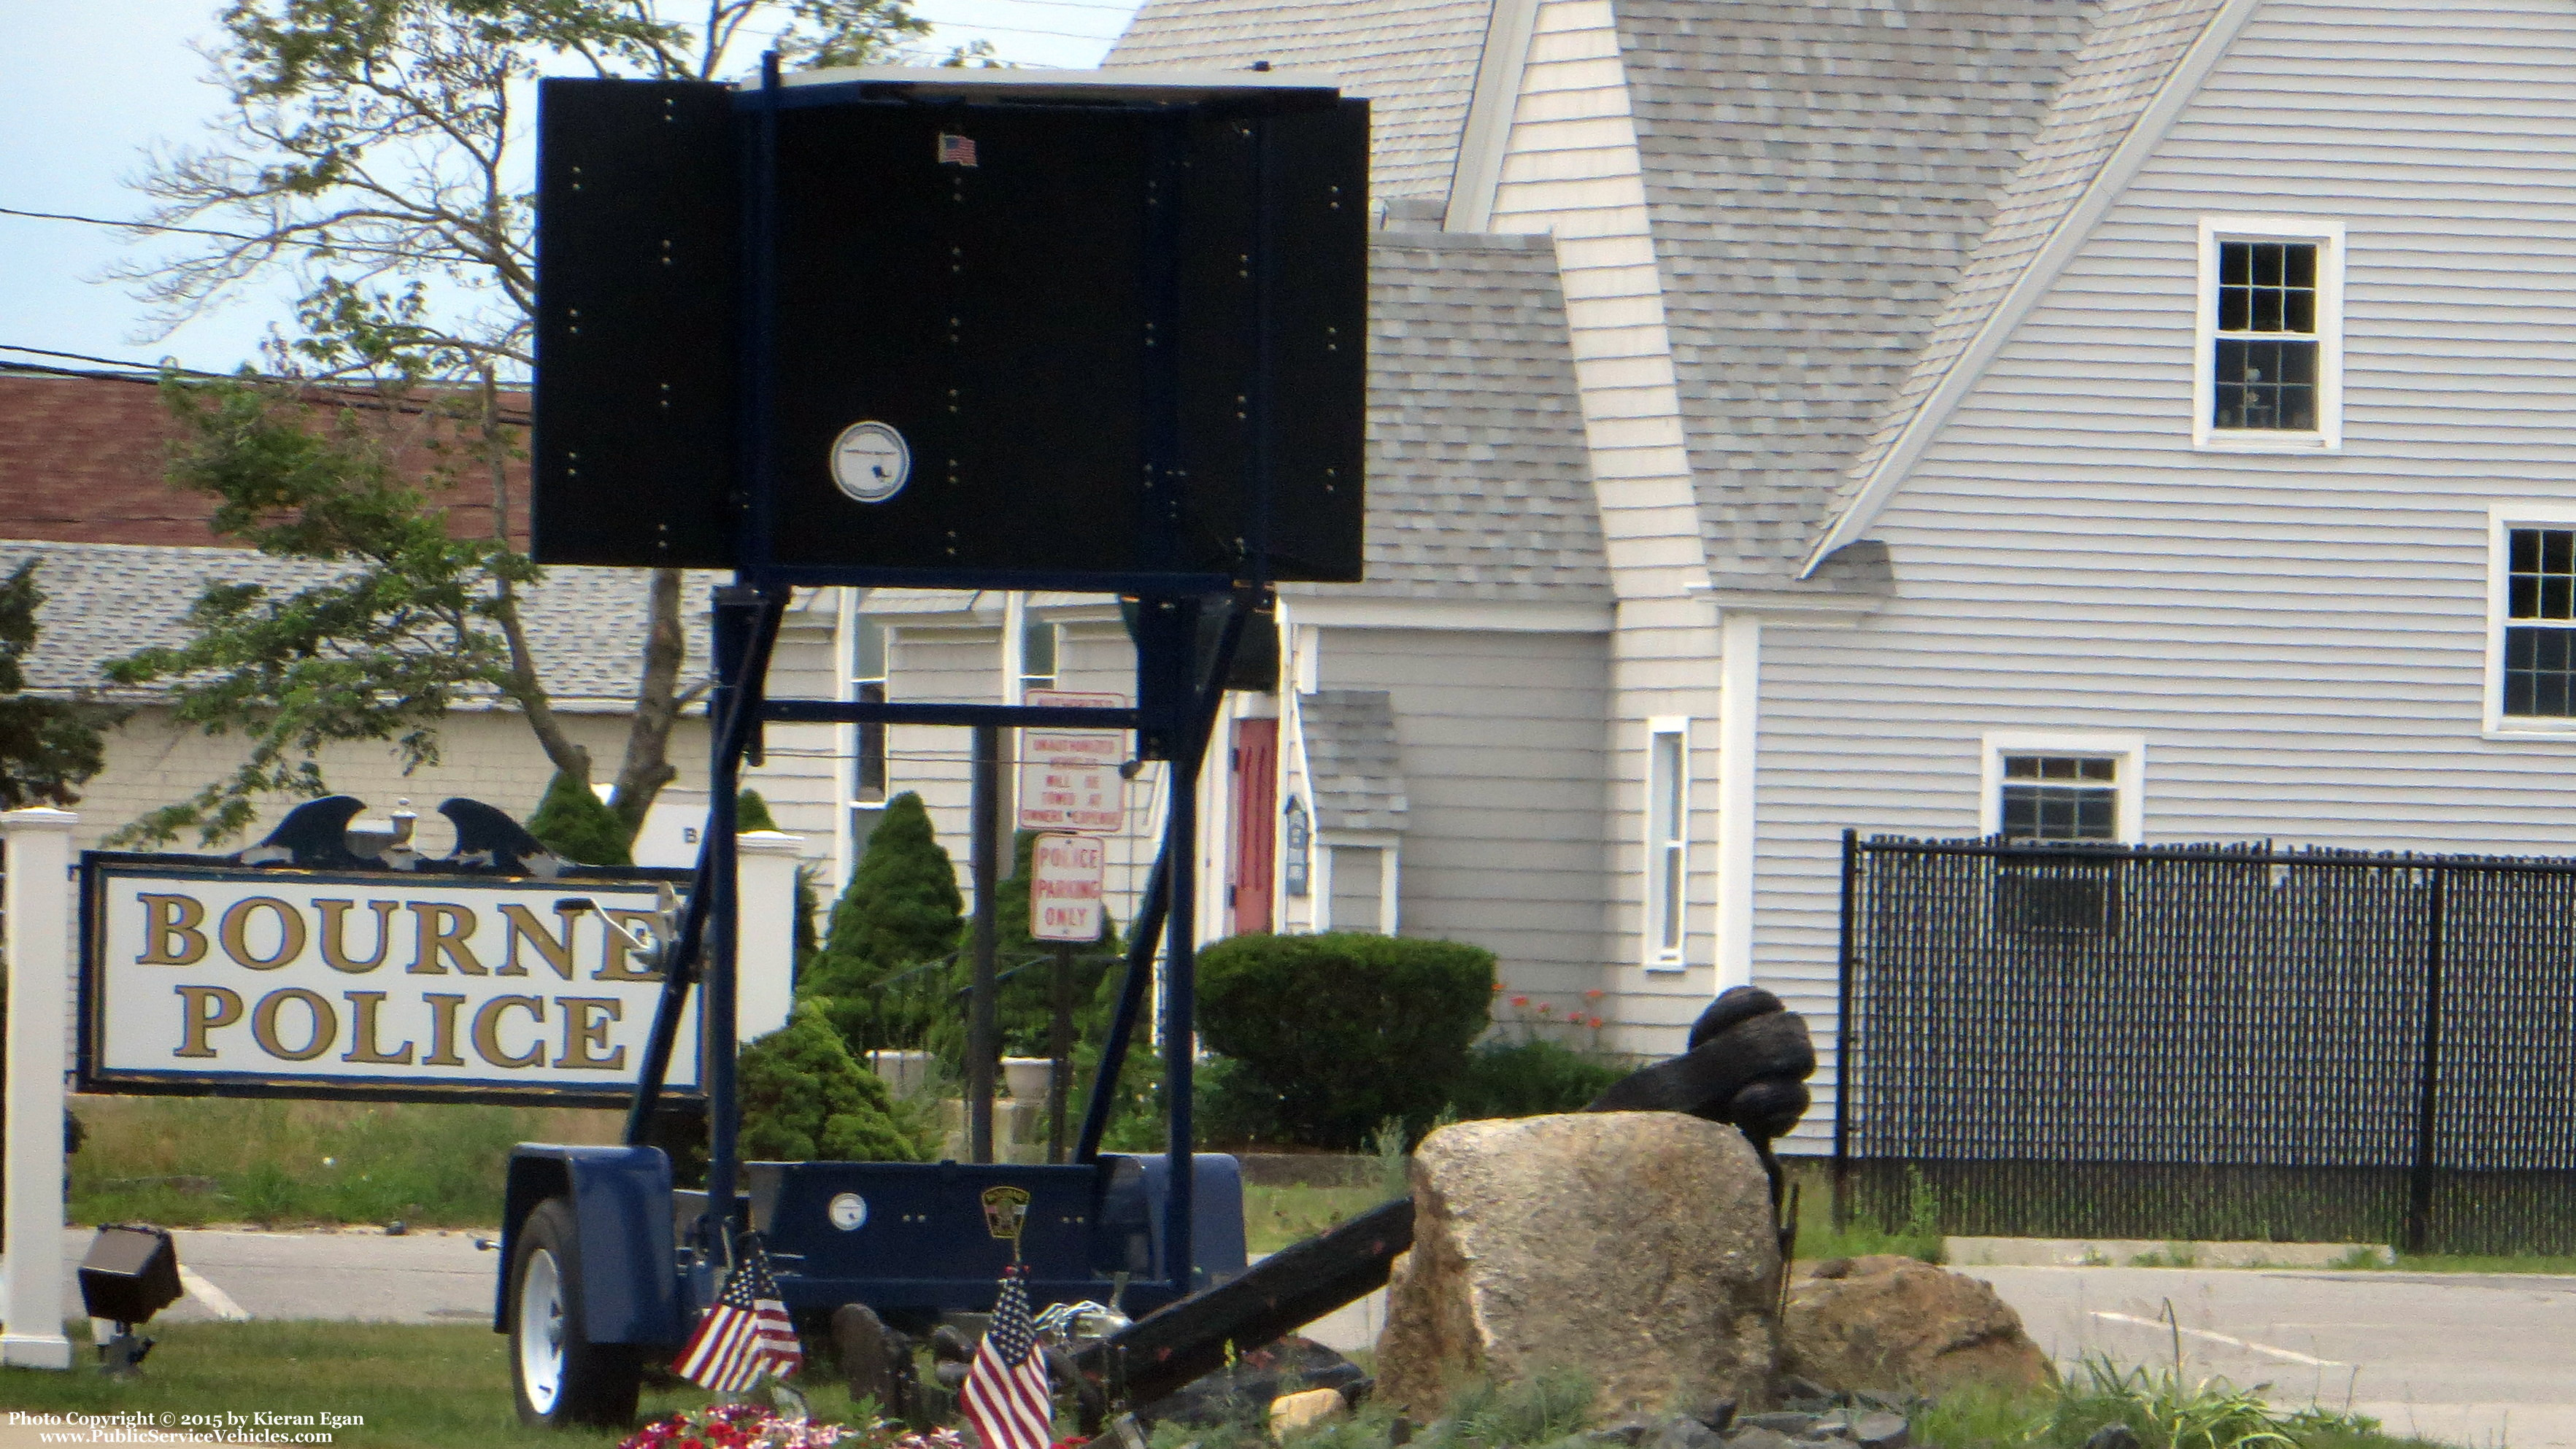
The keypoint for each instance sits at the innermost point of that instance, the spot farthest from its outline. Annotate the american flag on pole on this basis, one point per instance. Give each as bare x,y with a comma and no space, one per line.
956,150
1006,1399
745,1333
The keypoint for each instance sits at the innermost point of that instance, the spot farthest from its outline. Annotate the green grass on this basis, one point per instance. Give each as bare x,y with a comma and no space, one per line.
434,1387
189,1161
1274,1217
444,1387
2473,1263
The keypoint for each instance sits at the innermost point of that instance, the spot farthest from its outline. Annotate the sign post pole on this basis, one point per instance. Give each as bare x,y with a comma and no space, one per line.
38,901
983,1047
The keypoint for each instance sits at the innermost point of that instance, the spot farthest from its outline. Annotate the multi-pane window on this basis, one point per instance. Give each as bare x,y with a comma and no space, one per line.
2267,346
1667,845
2060,797
2540,622
868,686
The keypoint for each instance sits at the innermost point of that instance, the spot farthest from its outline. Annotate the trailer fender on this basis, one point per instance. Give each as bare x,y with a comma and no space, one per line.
621,1207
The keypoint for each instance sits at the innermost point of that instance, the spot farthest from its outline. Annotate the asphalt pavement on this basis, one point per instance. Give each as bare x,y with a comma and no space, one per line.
2482,1360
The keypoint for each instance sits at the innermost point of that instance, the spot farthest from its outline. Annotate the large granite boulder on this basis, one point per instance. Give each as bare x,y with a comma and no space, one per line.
1891,1325
1635,1246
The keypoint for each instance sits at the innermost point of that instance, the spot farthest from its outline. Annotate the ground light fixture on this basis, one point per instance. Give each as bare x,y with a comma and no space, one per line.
130,1273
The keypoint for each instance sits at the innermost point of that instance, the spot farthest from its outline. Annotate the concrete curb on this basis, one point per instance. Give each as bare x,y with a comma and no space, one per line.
2145,1253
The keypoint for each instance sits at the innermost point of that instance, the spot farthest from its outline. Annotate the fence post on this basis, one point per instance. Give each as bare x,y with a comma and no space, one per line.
2428,1081
38,897
1843,1034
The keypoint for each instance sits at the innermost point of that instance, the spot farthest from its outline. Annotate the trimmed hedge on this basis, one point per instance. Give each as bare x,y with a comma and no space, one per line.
1345,1030
806,1099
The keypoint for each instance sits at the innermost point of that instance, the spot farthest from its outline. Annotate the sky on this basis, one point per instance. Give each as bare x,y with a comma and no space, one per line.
88,88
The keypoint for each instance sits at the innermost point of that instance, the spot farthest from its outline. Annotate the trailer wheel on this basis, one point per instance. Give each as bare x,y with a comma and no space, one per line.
559,1377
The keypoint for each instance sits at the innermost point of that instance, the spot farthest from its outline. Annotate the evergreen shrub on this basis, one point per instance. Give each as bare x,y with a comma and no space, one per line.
576,824
806,1099
1024,1001
879,976
1528,1079
1345,1030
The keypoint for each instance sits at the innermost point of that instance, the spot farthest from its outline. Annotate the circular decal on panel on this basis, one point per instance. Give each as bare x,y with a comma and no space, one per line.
848,1212
870,462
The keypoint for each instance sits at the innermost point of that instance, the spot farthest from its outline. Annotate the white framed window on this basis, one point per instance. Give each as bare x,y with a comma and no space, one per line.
869,645
2268,335
2530,681
1667,914
2063,785
1038,640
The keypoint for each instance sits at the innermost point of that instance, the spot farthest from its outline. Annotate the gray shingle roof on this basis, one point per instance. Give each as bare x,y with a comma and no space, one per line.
2114,75
1351,757
1414,59
1479,483
105,600
1816,176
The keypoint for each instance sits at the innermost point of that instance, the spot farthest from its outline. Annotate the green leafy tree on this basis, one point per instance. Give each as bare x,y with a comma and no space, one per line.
48,747
805,1099
878,975
375,152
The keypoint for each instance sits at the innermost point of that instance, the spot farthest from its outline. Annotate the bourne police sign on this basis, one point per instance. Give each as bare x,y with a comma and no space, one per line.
199,975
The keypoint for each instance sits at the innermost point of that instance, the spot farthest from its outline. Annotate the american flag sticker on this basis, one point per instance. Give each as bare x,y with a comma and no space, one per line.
956,150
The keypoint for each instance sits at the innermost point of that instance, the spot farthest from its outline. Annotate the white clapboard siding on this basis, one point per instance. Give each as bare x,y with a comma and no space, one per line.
1501,741
2300,640
1572,169
949,665
800,774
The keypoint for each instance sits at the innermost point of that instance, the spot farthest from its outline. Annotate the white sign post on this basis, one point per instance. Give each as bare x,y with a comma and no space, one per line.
38,901
1065,881
1069,779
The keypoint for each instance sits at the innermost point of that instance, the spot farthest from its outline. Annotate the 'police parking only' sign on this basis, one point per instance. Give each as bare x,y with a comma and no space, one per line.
199,977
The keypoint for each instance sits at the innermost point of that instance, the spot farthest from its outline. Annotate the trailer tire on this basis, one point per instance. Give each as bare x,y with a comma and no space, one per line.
558,1377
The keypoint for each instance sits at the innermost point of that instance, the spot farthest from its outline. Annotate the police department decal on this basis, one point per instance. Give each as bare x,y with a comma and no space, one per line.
870,462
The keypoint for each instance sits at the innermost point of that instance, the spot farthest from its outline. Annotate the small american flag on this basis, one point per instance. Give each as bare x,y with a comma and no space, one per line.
1006,1399
746,1332
956,150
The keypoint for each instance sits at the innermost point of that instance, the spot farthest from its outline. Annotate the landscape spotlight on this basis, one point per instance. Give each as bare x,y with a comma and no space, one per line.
131,1273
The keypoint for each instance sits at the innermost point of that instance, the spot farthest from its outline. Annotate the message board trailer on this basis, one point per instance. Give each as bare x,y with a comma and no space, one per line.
940,329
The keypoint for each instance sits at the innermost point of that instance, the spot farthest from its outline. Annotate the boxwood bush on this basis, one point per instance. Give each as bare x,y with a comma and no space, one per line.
1529,1079
1345,1030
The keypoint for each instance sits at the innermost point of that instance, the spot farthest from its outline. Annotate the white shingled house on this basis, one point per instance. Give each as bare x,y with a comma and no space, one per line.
2135,419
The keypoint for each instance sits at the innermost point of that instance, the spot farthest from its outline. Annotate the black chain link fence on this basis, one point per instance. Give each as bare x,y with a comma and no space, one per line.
2209,1043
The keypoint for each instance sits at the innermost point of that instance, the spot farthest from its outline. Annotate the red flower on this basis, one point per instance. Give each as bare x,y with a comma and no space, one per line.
1520,1001
1545,1008
1593,995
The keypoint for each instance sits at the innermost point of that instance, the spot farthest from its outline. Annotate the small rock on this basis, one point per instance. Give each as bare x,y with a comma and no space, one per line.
397,1228
1718,1414
1833,1424
1833,1268
1758,1438
1783,1421
1399,1433
2113,1436
1297,1413
1627,1431
1795,1387
1882,1430
1686,1433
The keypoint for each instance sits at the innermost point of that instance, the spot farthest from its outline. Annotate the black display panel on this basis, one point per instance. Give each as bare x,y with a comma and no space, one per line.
633,452
1053,315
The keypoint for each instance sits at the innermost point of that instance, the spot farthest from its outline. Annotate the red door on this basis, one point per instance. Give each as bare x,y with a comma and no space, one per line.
1256,803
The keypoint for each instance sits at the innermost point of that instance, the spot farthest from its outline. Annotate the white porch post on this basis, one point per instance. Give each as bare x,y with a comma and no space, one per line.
1739,733
765,984
38,901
